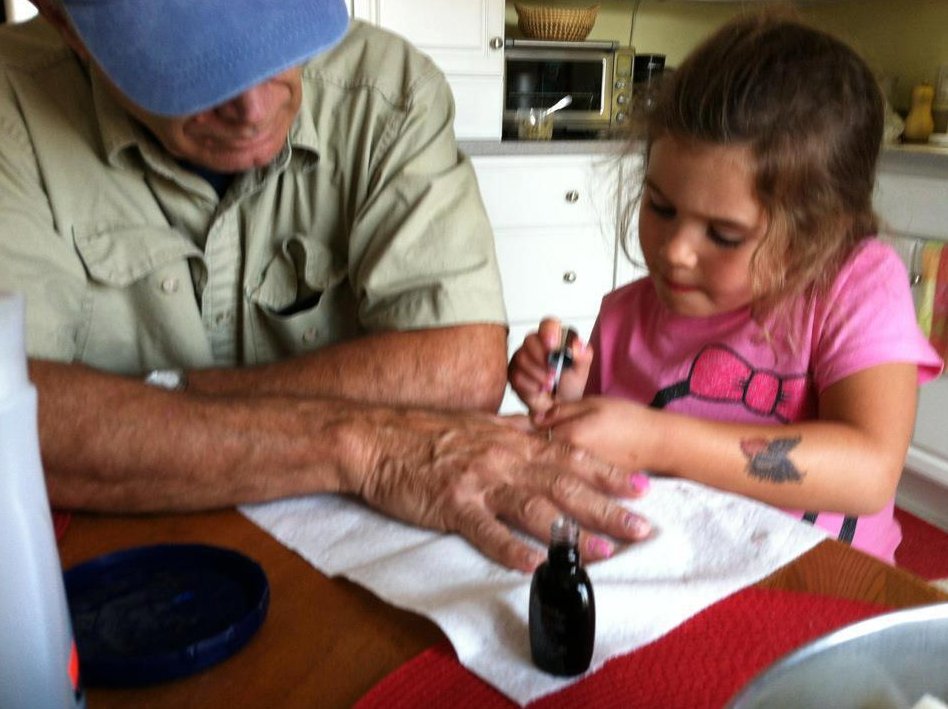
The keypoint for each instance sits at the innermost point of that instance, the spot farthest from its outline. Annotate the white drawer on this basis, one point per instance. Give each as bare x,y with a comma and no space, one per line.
565,273
543,191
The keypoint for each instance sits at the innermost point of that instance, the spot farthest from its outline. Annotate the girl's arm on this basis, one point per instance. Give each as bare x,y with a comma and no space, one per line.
848,460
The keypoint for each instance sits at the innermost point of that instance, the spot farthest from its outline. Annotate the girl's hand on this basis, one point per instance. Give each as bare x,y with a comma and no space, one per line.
611,429
530,374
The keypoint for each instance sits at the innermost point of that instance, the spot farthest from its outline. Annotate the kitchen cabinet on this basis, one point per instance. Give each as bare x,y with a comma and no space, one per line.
555,230
911,199
465,38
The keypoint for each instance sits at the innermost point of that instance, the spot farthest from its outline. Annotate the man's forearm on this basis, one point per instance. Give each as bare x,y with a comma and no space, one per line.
112,443
446,368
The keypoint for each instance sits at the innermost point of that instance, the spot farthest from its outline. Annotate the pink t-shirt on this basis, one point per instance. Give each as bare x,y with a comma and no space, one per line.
721,368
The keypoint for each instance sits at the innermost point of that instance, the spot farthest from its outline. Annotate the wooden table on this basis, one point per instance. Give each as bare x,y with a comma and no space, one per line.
326,642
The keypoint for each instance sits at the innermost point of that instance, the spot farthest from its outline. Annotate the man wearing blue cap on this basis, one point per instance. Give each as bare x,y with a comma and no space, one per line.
261,206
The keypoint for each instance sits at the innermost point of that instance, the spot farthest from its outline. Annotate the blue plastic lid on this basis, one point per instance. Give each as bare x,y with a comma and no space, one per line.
155,613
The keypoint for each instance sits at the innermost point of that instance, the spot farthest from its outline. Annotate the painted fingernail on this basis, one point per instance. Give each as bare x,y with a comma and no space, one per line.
639,527
639,482
599,548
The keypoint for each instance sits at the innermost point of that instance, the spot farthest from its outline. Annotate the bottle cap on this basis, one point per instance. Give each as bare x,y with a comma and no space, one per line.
155,613
564,530
13,376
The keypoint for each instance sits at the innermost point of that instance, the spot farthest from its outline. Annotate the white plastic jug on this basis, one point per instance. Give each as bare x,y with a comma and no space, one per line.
39,668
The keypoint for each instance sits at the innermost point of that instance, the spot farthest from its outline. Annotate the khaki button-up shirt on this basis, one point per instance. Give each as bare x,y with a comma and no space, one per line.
368,220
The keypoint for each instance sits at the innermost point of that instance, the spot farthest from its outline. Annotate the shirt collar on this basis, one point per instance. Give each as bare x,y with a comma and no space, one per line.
117,130
303,133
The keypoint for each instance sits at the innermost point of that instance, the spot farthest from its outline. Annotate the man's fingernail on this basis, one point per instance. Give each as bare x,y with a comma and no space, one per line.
639,527
533,559
639,482
599,548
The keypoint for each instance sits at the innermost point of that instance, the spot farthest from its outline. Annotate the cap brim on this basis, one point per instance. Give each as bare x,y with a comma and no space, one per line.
178,57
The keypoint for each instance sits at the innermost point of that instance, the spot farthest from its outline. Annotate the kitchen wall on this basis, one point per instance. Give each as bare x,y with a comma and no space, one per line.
905,40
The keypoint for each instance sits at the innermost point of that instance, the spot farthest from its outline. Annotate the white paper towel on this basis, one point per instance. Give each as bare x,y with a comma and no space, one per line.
707,544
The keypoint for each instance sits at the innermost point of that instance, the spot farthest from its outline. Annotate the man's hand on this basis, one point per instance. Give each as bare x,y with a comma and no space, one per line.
481,477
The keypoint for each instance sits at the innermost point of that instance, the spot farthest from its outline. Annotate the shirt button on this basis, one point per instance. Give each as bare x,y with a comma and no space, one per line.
169,285
310,335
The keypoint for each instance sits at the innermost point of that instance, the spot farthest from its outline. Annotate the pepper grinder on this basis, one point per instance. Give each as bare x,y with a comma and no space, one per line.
919,123
562,606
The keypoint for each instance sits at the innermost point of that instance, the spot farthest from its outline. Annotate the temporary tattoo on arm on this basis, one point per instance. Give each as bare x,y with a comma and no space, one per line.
767,460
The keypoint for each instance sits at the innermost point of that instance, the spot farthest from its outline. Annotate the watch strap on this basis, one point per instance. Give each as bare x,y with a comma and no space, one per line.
170,379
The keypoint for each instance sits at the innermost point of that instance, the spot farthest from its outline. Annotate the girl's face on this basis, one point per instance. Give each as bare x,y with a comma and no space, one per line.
699,224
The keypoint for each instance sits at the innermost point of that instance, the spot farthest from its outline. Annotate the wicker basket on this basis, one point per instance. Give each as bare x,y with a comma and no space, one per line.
565,24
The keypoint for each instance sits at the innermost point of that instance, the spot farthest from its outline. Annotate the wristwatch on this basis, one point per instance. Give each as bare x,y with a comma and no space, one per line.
170,379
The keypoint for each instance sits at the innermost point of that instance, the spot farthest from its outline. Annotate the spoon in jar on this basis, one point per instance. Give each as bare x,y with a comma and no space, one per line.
562,103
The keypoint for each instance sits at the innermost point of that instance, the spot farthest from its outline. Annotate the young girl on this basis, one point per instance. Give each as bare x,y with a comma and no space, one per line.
772,350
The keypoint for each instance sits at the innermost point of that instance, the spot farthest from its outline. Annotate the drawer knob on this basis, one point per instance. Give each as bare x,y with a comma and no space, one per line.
496,42
569,277
572,196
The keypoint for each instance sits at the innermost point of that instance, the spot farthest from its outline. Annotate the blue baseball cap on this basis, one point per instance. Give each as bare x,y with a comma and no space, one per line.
178,57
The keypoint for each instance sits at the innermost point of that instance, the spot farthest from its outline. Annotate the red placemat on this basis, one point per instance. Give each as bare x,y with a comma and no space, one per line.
924,547
702,663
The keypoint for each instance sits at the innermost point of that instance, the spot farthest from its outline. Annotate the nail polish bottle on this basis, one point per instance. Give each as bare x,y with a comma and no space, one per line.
562,607
561,358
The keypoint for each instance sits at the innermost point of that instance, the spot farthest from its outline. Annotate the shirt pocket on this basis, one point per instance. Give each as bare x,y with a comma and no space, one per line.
119,256
302,300
141,310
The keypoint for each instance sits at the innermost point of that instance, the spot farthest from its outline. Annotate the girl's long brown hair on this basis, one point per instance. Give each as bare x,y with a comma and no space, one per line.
812,114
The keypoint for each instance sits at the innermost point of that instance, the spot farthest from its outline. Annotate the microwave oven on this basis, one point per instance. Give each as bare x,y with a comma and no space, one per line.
598,75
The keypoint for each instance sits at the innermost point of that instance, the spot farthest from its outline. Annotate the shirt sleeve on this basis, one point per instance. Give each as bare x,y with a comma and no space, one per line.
421,248
34,258
868,318
594,381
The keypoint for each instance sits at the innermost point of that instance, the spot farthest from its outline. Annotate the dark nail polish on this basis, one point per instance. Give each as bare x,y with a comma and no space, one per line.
562,607
561,358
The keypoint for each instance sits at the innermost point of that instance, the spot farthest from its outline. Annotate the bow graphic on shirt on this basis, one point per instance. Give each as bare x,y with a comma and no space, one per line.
720,374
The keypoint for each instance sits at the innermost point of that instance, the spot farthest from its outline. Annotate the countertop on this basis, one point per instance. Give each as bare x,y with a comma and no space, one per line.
913,159
475,148
916,160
